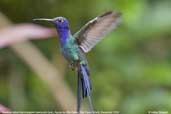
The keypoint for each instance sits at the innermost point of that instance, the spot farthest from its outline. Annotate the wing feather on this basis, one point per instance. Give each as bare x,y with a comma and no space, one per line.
96,29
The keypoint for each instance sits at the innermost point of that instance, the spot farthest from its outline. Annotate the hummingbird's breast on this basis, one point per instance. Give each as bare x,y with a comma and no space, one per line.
70,51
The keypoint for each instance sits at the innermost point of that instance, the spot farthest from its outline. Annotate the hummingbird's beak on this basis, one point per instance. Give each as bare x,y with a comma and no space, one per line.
42,19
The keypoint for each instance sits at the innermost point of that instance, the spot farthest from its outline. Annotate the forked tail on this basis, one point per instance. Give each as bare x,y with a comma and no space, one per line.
84,83
85,80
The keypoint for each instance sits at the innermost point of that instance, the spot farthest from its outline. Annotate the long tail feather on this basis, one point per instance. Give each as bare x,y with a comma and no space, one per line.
78,93
83,76
90,105
86,84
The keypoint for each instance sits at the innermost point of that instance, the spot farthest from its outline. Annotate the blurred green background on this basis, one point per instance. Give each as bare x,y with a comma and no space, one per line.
130,69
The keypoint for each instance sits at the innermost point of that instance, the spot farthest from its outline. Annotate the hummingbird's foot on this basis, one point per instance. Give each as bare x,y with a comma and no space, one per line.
72,66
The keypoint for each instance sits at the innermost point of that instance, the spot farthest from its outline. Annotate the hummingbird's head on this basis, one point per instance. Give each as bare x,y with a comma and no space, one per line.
60,23
62,27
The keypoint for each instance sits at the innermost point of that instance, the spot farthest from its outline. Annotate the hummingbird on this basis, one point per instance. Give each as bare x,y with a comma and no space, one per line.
73,47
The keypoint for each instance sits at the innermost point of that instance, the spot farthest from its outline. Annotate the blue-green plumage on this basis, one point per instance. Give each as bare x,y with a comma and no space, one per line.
74,46
75,56
70,50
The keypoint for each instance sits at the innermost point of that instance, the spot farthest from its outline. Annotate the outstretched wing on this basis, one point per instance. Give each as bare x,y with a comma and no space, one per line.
95,30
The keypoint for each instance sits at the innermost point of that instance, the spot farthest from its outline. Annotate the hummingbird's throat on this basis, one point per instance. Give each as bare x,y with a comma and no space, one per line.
64,35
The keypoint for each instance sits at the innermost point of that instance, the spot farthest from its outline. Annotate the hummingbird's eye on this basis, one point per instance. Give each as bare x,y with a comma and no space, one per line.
60,20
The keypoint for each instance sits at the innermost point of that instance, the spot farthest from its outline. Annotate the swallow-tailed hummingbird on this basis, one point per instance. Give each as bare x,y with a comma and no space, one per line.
73,47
